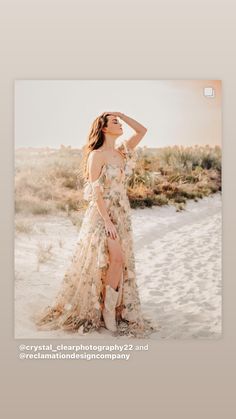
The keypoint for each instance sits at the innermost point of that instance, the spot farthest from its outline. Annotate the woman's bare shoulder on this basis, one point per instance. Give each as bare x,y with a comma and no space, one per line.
95,164
95,158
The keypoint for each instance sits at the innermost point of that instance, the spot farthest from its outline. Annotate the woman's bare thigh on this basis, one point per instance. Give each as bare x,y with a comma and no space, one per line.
115,250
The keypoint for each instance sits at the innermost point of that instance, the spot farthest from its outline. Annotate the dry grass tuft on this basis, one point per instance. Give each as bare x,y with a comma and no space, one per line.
44,253
49,181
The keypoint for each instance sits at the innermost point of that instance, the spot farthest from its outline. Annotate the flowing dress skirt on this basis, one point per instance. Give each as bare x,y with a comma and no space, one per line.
80,299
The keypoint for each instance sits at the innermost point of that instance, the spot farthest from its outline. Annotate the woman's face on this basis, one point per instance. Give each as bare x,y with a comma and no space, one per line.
113,126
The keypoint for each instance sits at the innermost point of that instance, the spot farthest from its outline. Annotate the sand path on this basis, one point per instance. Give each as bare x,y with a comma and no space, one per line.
178,267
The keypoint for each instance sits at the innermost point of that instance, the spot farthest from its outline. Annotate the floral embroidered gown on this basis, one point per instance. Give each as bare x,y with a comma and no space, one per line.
79,302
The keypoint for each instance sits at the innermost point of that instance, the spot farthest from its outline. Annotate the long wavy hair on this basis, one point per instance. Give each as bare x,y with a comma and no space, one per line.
95,140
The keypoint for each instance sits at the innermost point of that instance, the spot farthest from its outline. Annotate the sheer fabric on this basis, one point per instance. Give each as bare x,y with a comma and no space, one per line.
79,302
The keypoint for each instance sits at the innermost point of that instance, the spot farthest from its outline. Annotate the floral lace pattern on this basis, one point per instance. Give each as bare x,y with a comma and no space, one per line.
79,302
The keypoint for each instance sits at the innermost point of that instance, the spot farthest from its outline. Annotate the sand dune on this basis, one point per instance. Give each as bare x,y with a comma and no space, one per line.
178,267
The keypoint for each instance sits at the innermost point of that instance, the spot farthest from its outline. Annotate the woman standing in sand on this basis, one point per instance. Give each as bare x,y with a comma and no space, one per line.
99,288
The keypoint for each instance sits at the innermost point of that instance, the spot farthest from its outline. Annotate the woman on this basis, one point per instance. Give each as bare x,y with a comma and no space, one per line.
99,288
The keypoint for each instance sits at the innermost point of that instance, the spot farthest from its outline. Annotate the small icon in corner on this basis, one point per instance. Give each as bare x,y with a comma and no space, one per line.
209,92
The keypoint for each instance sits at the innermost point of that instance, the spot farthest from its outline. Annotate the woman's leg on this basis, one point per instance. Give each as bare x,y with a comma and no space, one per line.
114,272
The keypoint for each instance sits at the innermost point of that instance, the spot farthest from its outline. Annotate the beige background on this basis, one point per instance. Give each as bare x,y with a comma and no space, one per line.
120,40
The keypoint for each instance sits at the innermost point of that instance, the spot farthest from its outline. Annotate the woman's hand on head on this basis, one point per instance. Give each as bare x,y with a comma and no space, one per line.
118,114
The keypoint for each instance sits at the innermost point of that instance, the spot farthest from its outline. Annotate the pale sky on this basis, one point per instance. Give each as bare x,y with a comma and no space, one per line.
49,113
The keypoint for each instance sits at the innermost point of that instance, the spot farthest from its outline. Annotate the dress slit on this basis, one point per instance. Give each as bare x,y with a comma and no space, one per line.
78,304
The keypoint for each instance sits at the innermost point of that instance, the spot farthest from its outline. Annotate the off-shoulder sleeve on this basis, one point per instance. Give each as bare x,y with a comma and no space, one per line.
93,189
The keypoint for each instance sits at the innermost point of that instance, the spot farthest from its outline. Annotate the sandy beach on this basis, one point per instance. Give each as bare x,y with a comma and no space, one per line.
178,268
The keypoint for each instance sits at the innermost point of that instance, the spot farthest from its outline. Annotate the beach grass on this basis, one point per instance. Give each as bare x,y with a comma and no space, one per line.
49,181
